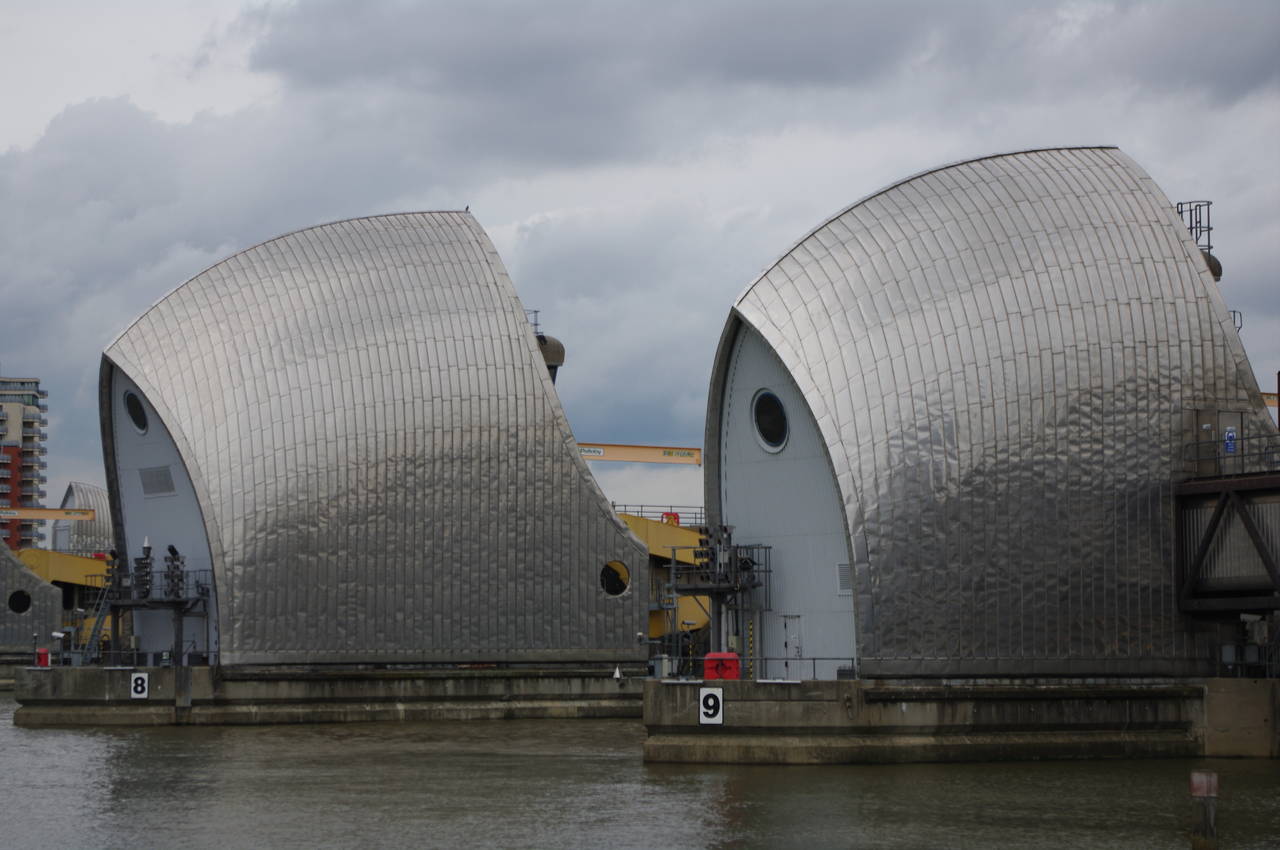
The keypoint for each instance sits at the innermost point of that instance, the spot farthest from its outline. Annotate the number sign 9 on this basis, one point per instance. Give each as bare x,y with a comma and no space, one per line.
139,685
711,706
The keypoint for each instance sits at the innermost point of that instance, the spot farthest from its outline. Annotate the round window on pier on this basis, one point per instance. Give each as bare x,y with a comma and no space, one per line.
19,602
137,413
615,578
771,421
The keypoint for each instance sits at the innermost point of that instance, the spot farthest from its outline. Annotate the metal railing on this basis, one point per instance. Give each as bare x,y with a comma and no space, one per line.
77,656
759,668
1231,455
1246,660
156,584
1250,660
685,514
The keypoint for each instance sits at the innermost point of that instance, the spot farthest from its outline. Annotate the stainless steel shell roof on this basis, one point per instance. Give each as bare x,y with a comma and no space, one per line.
382,464
85,537
1000,356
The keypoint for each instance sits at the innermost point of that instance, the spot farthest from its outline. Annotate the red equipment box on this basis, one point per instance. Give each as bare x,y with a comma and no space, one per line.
722,665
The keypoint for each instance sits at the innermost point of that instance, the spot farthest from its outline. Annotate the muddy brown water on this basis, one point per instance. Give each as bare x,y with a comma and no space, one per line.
569,784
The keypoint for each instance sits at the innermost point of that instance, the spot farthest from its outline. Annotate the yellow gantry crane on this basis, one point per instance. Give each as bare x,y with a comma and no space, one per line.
640,454
47,513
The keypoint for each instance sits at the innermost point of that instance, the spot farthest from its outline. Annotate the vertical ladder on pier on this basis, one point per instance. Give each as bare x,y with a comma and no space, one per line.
94,644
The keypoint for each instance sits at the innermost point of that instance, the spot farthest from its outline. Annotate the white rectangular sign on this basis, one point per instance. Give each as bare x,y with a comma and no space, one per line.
139,685
711,706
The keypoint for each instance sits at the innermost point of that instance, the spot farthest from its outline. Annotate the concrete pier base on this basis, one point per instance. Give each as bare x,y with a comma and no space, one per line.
918,721
91,696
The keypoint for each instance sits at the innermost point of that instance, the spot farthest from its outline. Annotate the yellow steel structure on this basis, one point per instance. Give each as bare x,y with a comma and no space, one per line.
660,537
640,454
59,566
1270,399
47,513
72,570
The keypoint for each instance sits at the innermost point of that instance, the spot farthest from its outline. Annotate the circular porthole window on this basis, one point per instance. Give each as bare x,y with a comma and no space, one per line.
771,420
19,602
137,413
615,578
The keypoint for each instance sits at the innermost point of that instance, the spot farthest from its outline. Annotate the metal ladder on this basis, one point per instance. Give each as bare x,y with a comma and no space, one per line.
94,644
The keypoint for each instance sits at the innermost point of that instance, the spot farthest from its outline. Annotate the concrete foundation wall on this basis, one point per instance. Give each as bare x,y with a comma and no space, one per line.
213,696
860,721
763,722
1242,717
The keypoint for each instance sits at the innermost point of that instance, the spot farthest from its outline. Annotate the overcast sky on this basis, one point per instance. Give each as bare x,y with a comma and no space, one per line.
637,164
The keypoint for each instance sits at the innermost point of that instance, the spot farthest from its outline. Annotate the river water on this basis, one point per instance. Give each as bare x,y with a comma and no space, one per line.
567,784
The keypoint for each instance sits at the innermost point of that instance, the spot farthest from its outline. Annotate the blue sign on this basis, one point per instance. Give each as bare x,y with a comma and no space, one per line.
1229,441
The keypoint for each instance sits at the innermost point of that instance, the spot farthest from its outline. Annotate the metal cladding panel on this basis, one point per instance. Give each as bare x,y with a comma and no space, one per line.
83,537
999,354
30,608
382,464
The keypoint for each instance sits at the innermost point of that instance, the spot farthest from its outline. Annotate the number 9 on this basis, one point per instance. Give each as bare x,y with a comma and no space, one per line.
710,705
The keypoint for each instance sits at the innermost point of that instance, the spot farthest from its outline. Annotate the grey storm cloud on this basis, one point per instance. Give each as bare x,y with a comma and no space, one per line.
640,326
583,134
588,76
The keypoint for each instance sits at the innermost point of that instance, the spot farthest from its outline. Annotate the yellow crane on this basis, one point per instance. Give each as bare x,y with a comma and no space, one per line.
640,454
47,513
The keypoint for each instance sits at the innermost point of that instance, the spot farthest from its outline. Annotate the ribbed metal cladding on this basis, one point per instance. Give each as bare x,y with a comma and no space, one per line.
999,355
30,609
85,537
383,466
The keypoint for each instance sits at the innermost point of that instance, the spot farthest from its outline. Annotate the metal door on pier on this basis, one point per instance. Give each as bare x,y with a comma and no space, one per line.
792,647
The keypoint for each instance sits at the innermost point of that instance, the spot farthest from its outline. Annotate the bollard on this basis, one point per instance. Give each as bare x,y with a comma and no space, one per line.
1204,804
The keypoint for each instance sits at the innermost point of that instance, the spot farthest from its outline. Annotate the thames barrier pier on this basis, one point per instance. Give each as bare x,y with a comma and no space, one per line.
199,696
842,722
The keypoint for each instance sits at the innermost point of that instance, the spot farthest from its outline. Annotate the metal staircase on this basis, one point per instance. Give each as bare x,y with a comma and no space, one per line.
93,646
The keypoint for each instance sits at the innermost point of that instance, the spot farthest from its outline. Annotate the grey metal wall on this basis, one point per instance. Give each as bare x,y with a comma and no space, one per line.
42,617
999,355
84,537
382,464
787,499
